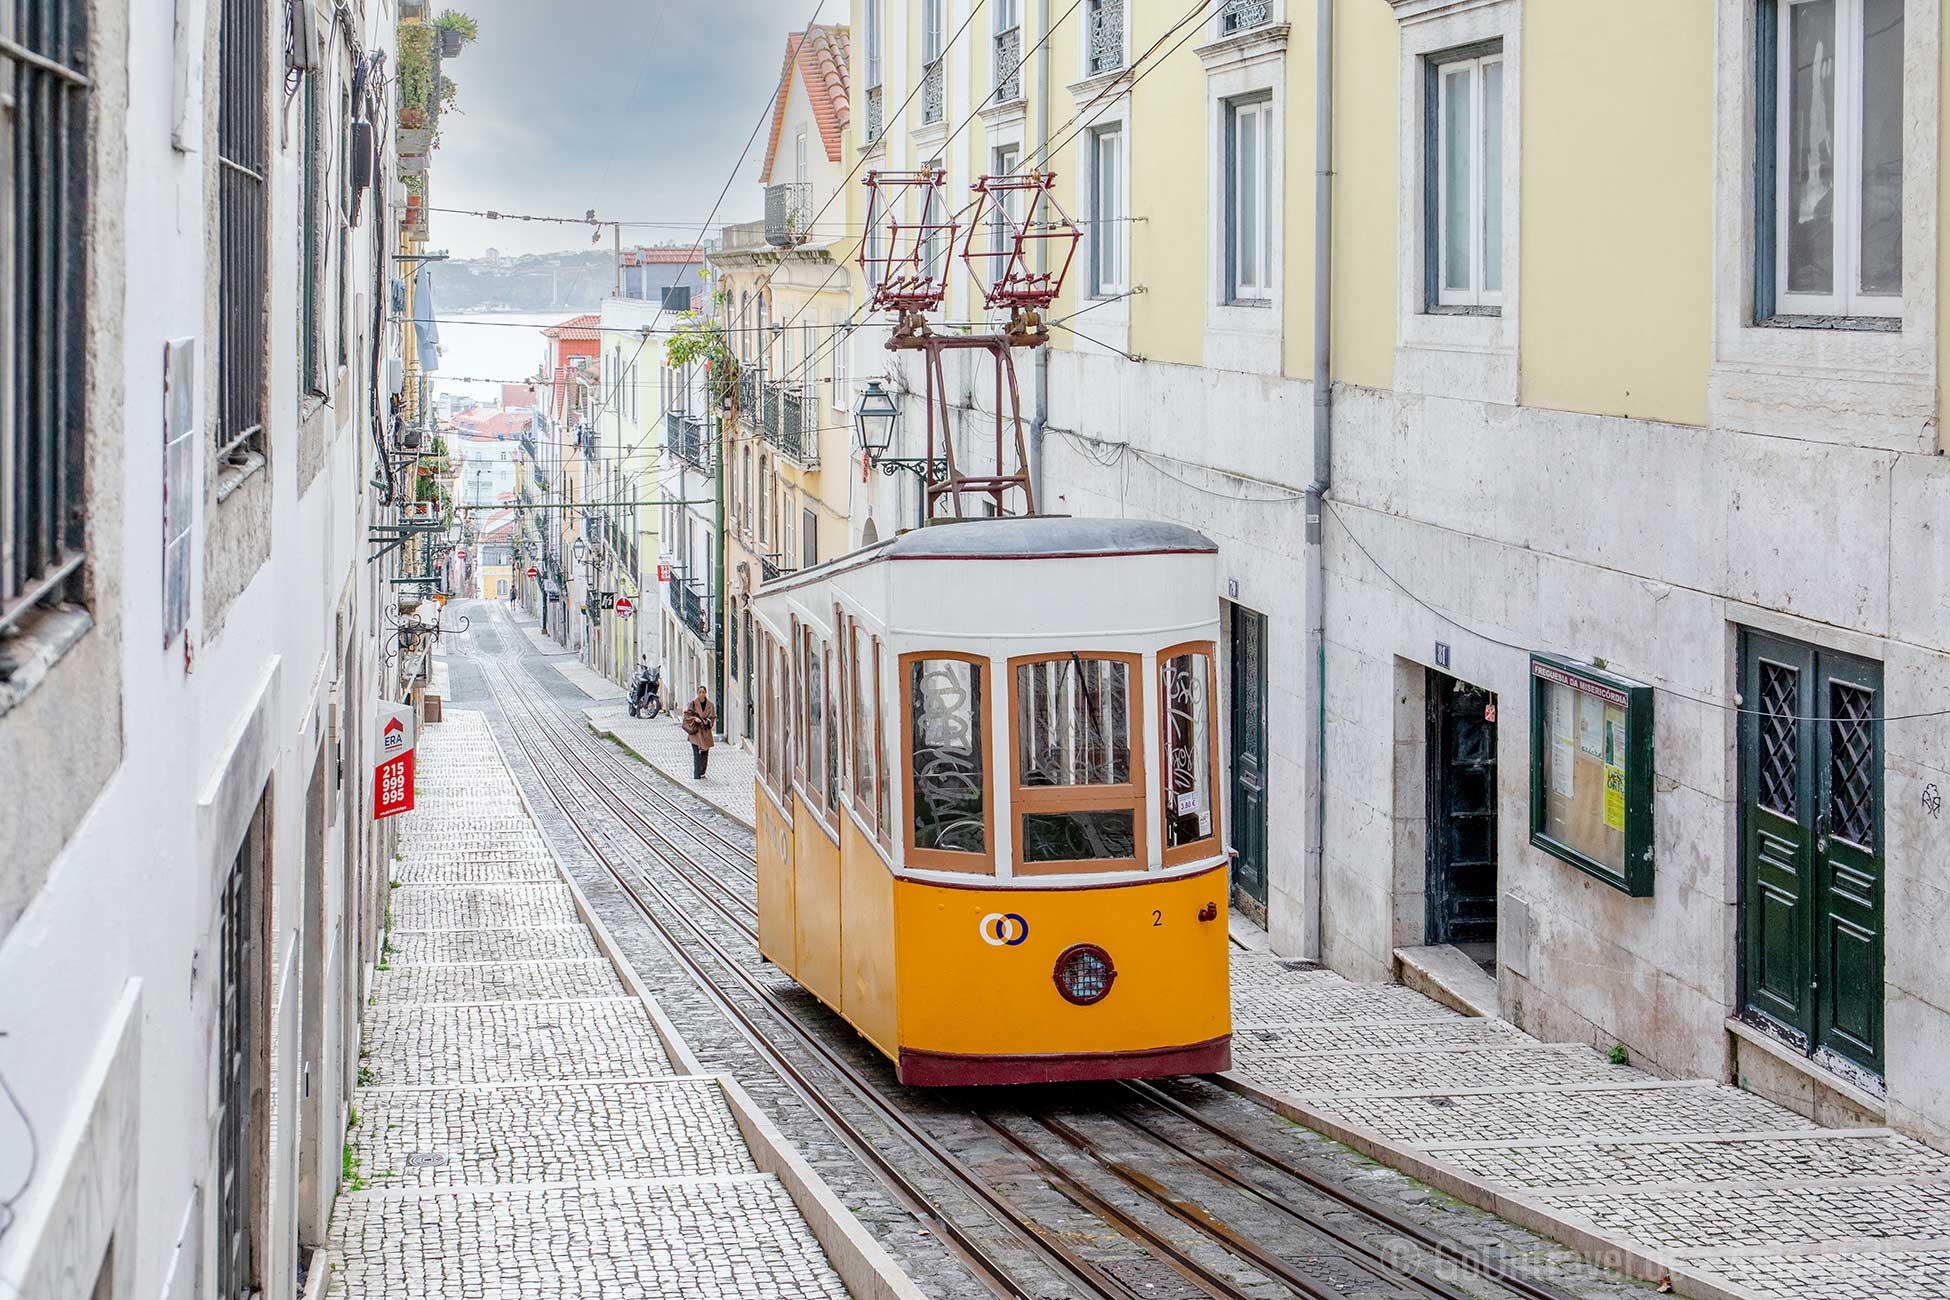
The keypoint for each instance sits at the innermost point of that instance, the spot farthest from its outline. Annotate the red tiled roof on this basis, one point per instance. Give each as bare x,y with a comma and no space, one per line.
821,58
517,395
577,328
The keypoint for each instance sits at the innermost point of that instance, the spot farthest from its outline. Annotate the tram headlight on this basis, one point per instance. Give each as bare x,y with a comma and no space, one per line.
1084,974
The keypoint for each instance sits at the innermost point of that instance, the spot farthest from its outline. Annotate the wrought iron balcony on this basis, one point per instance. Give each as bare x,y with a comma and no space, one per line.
1237,16
788,214
1106,36
690,443
798,434
875,113
1008,65
767,568
934,92
748,395
771,425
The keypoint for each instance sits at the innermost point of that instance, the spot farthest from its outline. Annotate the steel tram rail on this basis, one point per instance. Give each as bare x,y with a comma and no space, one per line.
1377,1265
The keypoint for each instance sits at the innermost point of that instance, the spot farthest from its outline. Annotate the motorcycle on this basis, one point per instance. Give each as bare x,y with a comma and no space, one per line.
646,700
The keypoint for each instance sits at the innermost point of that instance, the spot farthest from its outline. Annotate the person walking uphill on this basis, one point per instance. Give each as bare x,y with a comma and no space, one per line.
700,720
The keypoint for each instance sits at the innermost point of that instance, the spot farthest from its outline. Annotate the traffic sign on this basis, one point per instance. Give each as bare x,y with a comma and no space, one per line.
534,572
625,607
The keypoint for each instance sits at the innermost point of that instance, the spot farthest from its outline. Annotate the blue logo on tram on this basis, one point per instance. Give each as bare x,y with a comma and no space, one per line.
1000,928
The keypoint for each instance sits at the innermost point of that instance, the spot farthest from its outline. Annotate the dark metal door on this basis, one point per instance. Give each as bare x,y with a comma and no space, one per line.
1462,812
1811,861
1248,659
236,957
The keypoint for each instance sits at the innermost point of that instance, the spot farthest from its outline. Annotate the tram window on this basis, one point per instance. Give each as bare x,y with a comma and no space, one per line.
1185,698
1076,728
883,779
782,721
832,788
865,710
1073,722
948,769
815,724
1079,836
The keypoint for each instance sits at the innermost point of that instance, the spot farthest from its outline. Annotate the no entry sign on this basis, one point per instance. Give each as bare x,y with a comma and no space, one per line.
534,572
625,607
392,772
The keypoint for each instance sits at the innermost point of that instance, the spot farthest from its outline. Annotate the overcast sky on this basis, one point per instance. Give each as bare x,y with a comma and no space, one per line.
637,108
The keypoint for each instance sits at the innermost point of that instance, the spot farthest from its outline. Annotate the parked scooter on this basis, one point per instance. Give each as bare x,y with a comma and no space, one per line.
646,691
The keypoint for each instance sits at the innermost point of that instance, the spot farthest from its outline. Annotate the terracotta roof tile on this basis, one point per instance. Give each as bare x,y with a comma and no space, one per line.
582,328
821,58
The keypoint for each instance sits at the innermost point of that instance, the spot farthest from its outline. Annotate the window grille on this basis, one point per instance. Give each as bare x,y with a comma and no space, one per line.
1106,48
1242,15
242,137
43,250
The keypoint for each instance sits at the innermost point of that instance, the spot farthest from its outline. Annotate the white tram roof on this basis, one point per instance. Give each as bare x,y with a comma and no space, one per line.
1081,598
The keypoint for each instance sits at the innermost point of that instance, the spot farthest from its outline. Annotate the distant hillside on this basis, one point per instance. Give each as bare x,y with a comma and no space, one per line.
532,282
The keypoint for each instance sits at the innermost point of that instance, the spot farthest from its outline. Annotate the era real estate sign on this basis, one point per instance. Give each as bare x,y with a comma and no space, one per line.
392,772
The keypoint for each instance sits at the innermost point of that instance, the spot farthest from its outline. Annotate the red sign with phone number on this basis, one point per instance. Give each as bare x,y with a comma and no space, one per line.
392,786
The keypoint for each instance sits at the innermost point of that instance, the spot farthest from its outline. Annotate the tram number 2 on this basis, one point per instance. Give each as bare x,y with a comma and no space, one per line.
1157,917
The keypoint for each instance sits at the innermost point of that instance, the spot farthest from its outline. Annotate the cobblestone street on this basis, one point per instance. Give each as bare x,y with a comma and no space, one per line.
519,1128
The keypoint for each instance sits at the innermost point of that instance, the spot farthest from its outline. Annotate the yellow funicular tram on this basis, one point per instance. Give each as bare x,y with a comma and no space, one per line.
988,832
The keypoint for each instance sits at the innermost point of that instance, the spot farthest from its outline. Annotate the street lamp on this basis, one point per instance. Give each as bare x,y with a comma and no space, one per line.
874,418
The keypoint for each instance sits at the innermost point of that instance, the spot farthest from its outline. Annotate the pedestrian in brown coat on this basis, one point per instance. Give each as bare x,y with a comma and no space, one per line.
700,720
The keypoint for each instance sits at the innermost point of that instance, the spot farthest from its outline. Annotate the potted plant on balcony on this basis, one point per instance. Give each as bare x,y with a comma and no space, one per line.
456,29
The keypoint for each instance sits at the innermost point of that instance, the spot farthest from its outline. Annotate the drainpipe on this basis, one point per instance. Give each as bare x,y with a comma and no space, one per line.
717,576
1314,819
1039,379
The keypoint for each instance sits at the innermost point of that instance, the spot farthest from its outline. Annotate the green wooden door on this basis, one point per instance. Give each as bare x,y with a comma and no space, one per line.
1811,846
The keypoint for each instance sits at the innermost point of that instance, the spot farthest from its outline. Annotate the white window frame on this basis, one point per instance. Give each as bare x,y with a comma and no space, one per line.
1108,236
1474,294
1458,352
1259,108
875,22
799,156
1862,388
1846,300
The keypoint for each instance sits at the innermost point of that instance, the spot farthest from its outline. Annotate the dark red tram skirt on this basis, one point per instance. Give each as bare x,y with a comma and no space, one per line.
925,1069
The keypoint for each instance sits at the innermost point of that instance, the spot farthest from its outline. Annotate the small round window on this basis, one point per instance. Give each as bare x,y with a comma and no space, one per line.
1084,974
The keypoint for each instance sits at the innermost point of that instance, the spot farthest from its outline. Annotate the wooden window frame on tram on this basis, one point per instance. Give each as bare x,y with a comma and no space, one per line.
866,804
1213,844
968,864
1081,798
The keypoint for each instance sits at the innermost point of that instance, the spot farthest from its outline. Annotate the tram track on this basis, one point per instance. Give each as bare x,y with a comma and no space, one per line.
1209,1254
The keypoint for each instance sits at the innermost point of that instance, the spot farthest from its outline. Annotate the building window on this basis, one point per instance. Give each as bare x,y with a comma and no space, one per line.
311,275
1249,200
43,264
947,771
808,539
1831,159
799,157
1463,178
1008,51
1104,50
875,108
1107,210
1077,732
241,159
934,96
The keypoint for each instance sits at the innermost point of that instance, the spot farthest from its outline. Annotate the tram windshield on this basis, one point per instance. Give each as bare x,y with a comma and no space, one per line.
1075,731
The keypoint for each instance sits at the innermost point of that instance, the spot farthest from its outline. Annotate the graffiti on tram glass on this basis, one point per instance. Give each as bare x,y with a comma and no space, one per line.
947,707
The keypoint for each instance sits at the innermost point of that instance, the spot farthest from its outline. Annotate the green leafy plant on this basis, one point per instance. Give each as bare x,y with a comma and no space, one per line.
349,1174
365,1076
700,338
1619,1056
453,20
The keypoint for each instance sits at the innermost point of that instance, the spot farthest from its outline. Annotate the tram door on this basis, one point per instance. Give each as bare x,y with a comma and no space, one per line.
1248,707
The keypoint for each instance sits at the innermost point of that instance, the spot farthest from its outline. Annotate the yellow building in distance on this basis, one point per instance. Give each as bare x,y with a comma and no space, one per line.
785,289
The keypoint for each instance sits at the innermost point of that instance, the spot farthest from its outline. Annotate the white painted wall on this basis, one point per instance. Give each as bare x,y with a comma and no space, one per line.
125,929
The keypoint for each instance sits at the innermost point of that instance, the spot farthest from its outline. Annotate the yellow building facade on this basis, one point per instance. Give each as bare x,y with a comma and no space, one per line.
1480,335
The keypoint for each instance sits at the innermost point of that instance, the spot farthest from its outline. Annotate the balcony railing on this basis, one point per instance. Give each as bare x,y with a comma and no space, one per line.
689,442
875,113
1008,65
1236,16
798,436
748,395
771,426
934,92
767,568
788,214
1106,36
682,597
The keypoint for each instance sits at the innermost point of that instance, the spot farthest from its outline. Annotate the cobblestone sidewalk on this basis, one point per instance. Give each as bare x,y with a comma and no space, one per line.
519,1130
661,743
1730,1194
